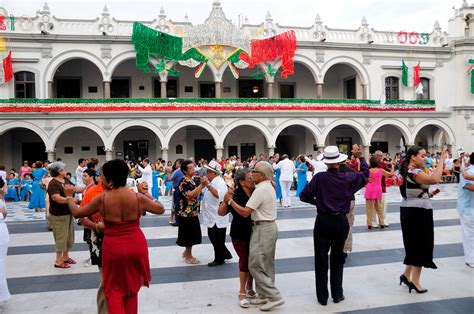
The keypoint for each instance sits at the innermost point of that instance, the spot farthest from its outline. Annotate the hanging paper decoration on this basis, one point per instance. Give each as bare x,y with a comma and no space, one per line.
7,67
411,78
264,50
470,71
267,71
12,22
163,66
234,71
148,41
200,70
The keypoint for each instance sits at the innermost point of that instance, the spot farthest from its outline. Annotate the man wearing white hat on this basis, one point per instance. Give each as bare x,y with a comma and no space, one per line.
332,192
214,192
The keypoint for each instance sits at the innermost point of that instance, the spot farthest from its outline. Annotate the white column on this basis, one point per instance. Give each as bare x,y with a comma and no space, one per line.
50,89
164,153
270,91
364,91
107,89
51,154
271,151
367,151
218,89
109,154
219,153
163,89
319,90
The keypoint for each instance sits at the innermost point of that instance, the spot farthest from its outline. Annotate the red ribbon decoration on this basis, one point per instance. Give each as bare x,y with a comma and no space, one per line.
264,50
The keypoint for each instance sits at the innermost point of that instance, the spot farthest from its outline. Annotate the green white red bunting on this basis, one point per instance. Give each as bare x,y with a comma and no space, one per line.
412,78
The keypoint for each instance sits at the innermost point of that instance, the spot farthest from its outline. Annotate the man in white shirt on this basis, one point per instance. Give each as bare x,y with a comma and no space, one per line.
146,172
317,164
262,208
287,168
80,172
214,192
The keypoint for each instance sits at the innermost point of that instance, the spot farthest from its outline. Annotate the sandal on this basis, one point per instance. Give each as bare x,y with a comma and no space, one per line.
192,261
251,294
70,261
62,265
244,303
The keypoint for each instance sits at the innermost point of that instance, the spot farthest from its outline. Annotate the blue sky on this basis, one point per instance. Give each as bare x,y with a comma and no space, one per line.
409,15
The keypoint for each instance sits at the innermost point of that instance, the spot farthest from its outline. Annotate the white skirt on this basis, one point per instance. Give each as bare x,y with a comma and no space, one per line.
4,292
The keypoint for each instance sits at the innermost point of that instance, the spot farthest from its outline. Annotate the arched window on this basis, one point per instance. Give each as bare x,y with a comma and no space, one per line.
392,88
179,149
24,85
425,82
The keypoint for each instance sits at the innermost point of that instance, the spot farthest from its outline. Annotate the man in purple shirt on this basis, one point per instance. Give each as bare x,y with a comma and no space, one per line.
332,192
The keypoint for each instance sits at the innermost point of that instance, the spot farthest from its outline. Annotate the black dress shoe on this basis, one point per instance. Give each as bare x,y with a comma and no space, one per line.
323,303
338,299
214,263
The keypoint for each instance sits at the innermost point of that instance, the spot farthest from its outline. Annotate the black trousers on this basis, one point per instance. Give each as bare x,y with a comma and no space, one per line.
330,233
217,238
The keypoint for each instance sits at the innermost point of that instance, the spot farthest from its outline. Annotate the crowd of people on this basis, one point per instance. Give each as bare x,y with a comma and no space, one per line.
110,198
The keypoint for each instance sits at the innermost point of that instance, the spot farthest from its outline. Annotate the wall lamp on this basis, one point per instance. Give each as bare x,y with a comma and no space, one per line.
323,39
445,45
104,33
43,32
371,42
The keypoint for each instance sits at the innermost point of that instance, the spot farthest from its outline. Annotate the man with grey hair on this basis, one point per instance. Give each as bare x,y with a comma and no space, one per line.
262,208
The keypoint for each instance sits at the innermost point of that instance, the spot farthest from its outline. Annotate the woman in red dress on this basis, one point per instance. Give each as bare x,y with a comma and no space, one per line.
125,262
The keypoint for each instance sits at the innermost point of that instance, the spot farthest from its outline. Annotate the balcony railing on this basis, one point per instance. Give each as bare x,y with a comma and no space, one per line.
209,104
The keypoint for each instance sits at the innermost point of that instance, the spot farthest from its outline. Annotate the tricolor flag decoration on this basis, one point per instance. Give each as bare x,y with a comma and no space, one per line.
470,71
7,67
412,78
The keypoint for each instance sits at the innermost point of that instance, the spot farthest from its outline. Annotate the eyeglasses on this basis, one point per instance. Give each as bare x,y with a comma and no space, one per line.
256,171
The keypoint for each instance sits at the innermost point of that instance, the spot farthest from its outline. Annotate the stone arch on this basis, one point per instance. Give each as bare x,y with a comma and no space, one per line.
197,122
130,123
67,125
304,123
450,137
393,122
248,122
307,63
360,129
117,60
353,63
63,57
7,126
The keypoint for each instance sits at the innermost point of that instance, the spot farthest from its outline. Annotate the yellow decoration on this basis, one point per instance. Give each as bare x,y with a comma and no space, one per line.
3,45
217,55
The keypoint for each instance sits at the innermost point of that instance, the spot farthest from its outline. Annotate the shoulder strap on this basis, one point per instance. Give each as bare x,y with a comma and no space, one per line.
138,206
103,205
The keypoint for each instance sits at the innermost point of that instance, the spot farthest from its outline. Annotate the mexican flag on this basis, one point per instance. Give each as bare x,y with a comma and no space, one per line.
7,68
411,78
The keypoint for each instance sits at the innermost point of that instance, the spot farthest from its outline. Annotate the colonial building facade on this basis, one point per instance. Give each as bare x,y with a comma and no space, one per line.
77,91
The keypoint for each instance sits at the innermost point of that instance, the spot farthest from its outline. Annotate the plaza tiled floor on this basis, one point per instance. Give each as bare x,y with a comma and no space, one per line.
370,276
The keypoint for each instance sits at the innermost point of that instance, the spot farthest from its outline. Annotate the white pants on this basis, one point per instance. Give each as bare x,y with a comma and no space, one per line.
467,228
285,192
384,210
4,293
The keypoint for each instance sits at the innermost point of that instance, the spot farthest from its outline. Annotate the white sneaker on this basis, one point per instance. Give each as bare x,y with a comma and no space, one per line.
470,265
271,305
259,301
88,263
